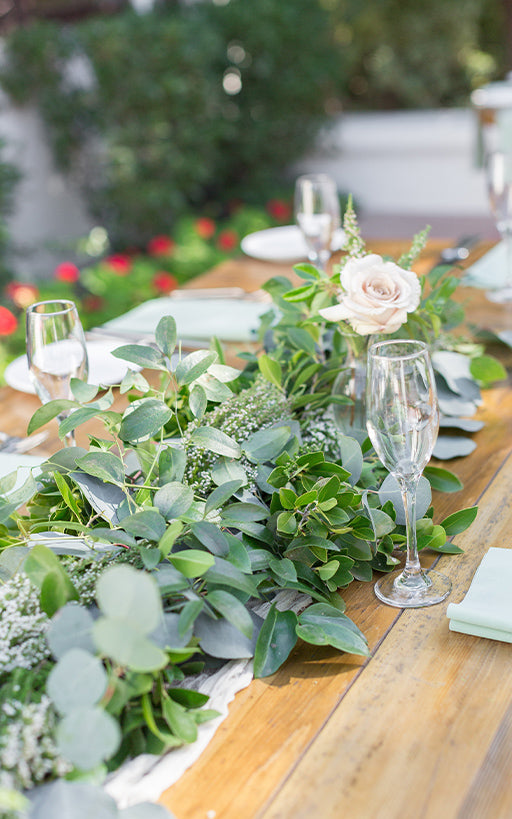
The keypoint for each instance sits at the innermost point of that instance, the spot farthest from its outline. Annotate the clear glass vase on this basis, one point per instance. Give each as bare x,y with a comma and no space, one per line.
350,418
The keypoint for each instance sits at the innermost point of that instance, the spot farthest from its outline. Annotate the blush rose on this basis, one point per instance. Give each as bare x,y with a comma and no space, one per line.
375,296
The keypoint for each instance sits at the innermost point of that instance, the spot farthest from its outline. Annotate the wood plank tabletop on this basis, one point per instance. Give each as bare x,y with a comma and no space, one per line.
421,728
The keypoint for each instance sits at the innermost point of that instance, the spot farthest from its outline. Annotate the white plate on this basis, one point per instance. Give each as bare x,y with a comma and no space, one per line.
103,367
282,244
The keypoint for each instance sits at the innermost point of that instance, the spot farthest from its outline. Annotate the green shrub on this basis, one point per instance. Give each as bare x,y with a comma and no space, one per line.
156,133
9,176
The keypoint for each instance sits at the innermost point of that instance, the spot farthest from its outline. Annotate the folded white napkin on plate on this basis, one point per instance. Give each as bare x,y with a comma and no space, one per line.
490,271
486,610
228,319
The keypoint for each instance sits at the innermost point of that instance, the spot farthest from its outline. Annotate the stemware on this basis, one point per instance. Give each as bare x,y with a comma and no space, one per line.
402,422
498,168
317,213
56,349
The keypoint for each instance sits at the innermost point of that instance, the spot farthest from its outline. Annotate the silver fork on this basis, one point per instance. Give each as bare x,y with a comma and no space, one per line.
13,443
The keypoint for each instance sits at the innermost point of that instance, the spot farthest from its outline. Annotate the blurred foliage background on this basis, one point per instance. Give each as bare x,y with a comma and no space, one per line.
193,106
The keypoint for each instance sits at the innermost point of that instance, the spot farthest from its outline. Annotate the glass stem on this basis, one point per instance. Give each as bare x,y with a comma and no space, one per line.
508,251
412,574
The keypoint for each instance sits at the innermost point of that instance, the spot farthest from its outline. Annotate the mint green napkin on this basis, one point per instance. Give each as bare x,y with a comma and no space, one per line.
486,610
490,270
228,319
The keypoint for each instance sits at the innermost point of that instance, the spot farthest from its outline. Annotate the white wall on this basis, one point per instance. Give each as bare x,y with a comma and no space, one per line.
405,161
49,214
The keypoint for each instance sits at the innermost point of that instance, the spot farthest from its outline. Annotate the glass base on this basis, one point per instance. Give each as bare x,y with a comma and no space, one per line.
425,589
501,296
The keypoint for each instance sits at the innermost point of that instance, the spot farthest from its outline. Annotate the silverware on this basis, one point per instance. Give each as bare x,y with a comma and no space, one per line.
460,251
13,443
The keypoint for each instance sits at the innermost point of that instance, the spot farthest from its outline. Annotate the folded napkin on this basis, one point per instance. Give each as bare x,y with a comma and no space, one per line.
228,319
490,271
486,610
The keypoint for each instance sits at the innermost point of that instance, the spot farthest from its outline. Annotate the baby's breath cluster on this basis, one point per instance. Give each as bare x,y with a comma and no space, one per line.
319,433
255,408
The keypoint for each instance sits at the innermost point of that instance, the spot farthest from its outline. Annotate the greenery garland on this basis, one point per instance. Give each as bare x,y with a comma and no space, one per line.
175,561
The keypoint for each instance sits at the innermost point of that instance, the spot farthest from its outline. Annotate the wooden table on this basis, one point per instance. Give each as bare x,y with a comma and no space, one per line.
422,728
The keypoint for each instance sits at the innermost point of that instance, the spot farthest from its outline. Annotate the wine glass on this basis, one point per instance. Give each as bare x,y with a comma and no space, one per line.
56,350
402,422
317,213
498,167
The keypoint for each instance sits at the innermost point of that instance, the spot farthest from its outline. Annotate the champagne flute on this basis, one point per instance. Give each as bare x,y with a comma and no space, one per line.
402,422
317,213
56,350
498,168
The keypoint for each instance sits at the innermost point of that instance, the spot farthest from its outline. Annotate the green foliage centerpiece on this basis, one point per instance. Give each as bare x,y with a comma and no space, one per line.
129,566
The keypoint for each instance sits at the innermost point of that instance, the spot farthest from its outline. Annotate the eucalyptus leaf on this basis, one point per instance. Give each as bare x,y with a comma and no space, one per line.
141,355
128,646
193,366
47,412
266,444
70,628
103,465
214,390
166,336
459,521
174,499
276,640
131,595
225,470
167,635
232,609
105,498
221,494
148,524
216,441
192,562
88,736
351,457
171,464
390,491
198,401
271,369
78,680
72,800
219,638
82,391
211,537
442,479
321,624
451,446
466,424
143,419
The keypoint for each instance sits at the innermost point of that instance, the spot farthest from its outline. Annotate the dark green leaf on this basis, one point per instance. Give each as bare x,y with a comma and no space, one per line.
276,639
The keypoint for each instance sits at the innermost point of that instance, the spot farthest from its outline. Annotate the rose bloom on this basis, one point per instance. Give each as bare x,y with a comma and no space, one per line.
279,209
93,303
227,240
164,282
8,322
205,227
119,263
22,294
161,246
67,272
375,295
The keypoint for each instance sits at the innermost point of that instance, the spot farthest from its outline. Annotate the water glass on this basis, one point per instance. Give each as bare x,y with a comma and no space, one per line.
317,213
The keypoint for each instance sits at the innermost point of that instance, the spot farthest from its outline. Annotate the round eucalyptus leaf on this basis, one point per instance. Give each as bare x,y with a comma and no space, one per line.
167,634
125,593
87,737
122,642
78,680
71,627
453,446
148,524
390,491
72,800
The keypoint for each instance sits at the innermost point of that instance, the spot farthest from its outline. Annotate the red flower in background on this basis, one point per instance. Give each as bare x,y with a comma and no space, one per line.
227,240
93,303
161,246
164,282
205,227
22,294
279,209
67,272
119,263
8,322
